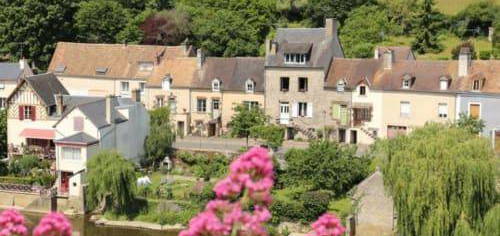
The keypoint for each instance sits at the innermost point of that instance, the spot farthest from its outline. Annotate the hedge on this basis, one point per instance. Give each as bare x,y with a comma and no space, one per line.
16,180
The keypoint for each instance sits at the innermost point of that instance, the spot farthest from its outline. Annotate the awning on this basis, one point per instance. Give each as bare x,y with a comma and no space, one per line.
38,133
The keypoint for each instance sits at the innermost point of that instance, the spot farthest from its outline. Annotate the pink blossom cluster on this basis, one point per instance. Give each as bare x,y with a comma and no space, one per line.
327,225
53,224
243,197
12,223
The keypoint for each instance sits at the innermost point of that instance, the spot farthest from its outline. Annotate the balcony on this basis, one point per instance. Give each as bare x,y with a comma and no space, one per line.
43,152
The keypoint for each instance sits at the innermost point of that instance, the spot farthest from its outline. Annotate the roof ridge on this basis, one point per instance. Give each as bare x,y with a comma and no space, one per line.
117,44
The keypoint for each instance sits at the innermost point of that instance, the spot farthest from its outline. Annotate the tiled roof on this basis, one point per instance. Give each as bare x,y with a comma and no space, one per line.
400,52
46,86
116,60
182,70
78,138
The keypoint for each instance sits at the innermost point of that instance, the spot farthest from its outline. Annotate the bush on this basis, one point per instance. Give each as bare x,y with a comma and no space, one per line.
24,165
315,203
273,135
16,180
205,166
484,55
44,178
286,210
204,196
4,168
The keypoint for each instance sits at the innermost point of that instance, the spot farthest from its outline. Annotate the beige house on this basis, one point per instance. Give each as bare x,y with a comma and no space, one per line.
297,61
109,69
10,75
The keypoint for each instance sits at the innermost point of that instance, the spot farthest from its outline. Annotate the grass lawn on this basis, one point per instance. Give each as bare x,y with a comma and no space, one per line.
452,7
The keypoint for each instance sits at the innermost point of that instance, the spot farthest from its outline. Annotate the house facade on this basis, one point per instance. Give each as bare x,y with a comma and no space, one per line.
10,75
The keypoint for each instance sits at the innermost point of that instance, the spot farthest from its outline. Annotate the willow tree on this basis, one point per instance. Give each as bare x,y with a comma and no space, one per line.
436,175
111,182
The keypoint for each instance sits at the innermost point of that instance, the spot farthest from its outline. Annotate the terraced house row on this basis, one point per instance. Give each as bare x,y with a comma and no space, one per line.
303,83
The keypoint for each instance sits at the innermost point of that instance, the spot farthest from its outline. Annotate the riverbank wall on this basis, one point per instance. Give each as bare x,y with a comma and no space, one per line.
34,202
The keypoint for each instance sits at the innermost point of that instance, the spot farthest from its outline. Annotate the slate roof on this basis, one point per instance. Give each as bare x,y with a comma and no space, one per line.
46,86
232,72
12,71
96,112
78,138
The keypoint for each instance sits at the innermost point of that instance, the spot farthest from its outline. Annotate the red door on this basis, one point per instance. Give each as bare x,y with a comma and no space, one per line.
65,182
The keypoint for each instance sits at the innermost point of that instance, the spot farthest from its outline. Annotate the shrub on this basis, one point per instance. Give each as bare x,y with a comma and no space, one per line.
484,55
44,178
16,180
4,168
24,165
205,195
315,203
286,210
273,135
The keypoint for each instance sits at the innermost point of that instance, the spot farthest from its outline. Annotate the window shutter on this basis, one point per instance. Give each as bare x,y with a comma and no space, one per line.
33,113
336,111
295,109
21,113
309,109
343,115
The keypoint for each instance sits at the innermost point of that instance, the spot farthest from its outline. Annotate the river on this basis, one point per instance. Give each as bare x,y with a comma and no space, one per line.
82,227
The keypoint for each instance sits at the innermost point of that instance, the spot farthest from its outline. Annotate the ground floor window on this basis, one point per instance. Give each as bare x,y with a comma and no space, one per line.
251,104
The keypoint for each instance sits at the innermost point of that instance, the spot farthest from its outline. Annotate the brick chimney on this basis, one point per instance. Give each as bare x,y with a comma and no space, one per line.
464,61
331,27
200,58
59,104
388,59
109,109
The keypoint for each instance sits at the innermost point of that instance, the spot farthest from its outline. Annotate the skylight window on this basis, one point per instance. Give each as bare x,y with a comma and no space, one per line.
60,69
101,70
146,66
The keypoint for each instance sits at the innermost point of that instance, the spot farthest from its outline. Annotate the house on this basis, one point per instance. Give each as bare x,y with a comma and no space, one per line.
297,62
93,125
10,75
109,69
223,84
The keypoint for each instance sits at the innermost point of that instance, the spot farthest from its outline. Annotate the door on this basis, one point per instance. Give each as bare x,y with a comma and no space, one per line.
354,136
65,182
475,110
341,135
180,129
284,113
211,129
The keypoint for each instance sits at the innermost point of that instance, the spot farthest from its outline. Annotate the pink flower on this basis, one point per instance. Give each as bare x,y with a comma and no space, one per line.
327,225
53,224
12,223
206,224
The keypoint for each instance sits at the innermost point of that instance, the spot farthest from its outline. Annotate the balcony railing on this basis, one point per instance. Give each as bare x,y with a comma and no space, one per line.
41,152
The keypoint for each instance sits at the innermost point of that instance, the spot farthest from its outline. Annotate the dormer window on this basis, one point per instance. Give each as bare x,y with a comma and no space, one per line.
166,83
250,86
444,83
362,90
340,86
476,85
146,66
406,81
101,70
216,85
296,58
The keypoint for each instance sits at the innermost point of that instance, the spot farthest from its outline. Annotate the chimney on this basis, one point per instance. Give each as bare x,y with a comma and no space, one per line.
22,63
464,61
109,109
376,54
59,104
136,95
274,48
331,27
388,59
200,57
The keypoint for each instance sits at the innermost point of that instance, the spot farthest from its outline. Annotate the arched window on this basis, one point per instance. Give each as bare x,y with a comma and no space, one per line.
216,85
250,86
166,83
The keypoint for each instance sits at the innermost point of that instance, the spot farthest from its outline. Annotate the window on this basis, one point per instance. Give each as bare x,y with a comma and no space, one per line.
406,84
475,110
302,109
70,153
159,102
361,114
362,90
3,103
284,84
340,86
405,109
215,104
216,85
201,105
295,58
172,103
78,123
302,84
443,110
2,85
146,66
142,87
124,86
443,84
60,69
101,70
250,86
166,83
476,85
251,104
27,113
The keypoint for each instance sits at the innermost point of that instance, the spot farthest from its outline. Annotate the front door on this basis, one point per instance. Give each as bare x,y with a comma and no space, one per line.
180,129
211,129
64,188
354,136
284,113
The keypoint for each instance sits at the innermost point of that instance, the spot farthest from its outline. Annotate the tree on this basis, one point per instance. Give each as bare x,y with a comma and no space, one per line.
166,28
244,119
401,12
31,28
273,135
455,52
435,175
470,124
319,10
158,144
427,29
111,182
325,165
475,19
365,27
3,133
132,32
99,21
496,37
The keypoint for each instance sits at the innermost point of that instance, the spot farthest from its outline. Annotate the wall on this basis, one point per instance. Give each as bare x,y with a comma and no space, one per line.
10,85
490,105
183,104
92,86
130,135
374,98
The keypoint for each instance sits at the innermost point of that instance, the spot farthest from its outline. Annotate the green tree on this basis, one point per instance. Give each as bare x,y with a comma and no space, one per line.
491,224
158,144
496,37
401,12
273,135
455,52
31,28
435,175
3,133
475,19
169,27
427,28
99,21
470,124
244,119
325,165
319,10
111,182
365,27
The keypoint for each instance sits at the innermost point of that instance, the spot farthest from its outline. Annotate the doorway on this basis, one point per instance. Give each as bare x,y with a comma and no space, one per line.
284,113
341,135
64,187
354,136
212,127
180,129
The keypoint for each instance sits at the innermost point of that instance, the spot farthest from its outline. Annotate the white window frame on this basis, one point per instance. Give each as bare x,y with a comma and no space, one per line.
122,83
216,85
2,85
404,114
215,101
172,104
201,109
76,153
406,84
142,87
302,109
295,58
160,101
341,86
443,84
443,112
27,112
362,86
166,83
250,86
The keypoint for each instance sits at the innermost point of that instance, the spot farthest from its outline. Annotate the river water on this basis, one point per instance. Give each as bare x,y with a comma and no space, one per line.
82,227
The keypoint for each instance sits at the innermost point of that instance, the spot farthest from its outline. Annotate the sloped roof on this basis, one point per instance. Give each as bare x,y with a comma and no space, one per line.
96,111
13,71
117,60
400,52
46,86
232,72
182,70
78,138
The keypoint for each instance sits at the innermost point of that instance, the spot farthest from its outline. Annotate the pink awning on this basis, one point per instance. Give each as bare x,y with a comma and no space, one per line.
38,133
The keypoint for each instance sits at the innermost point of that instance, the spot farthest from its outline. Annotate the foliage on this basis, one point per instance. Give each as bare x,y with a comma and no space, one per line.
132,33
244,119
99,21
491,224
17,180
110,178
205,166
323,161
496,37
455,52
315,203
475,19
365,27
158,144
427,28
463,228
204,196
4,168
23,166
401,12
319,10
466,122
435,175
484,55
3,134
273,135
166,28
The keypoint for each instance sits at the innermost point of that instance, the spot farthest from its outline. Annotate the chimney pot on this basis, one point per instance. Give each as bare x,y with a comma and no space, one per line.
274,48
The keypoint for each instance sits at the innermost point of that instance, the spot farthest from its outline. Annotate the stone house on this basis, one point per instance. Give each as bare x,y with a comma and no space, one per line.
297,62
10,75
